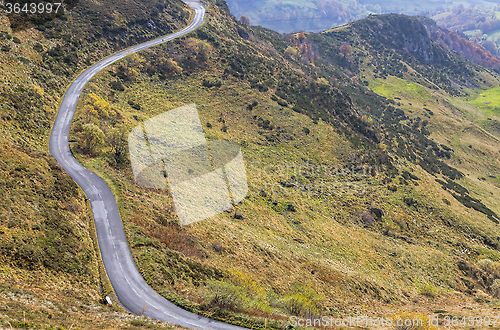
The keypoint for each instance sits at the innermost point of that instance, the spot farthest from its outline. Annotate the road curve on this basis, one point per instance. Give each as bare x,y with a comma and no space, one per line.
132,291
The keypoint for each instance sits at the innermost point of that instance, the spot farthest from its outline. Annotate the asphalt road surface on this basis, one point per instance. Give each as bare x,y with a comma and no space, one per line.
132,291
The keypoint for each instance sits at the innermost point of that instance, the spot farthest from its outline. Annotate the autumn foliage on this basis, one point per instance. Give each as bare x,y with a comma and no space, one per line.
244,20
345,49
303,47
476,53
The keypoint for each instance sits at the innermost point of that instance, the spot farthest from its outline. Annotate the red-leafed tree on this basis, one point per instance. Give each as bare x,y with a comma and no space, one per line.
244,20
345,49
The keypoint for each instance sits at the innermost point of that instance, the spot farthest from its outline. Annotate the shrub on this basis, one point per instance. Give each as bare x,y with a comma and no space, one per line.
264,123
117,85
21,325
92,138
134,105
212,82
238,291
225,295
253,105
367,218
282,103
490,267
38,47
495,288
138,322
303,301
428,290
247,283
218,247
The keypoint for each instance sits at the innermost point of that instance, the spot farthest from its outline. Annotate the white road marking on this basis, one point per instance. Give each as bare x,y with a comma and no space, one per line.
136,292
147,302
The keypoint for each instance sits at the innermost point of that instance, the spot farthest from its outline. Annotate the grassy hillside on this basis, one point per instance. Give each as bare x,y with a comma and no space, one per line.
421,81
360,201
50,273
371,155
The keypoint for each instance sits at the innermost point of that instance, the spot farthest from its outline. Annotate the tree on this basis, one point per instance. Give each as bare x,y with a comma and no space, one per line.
196,52
244,20
345,49
102,107
93,138
117,140
291,52
170,66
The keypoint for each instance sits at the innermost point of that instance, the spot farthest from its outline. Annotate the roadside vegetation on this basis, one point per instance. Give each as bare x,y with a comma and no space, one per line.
50,273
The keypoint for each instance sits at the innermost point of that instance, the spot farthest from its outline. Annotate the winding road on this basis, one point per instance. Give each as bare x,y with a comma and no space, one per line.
131,289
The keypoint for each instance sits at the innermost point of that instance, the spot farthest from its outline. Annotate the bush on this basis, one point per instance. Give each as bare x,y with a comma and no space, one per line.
428,290
392,188
265,123
212,82
282,103
239,291
253,105
225,295
21,325
367,218
138,322
495,288
117,85
92,138
303,301
490,267
134,105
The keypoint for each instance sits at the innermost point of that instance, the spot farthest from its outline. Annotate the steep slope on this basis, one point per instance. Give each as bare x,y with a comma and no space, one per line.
51,273
344,214
358,205
414,69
